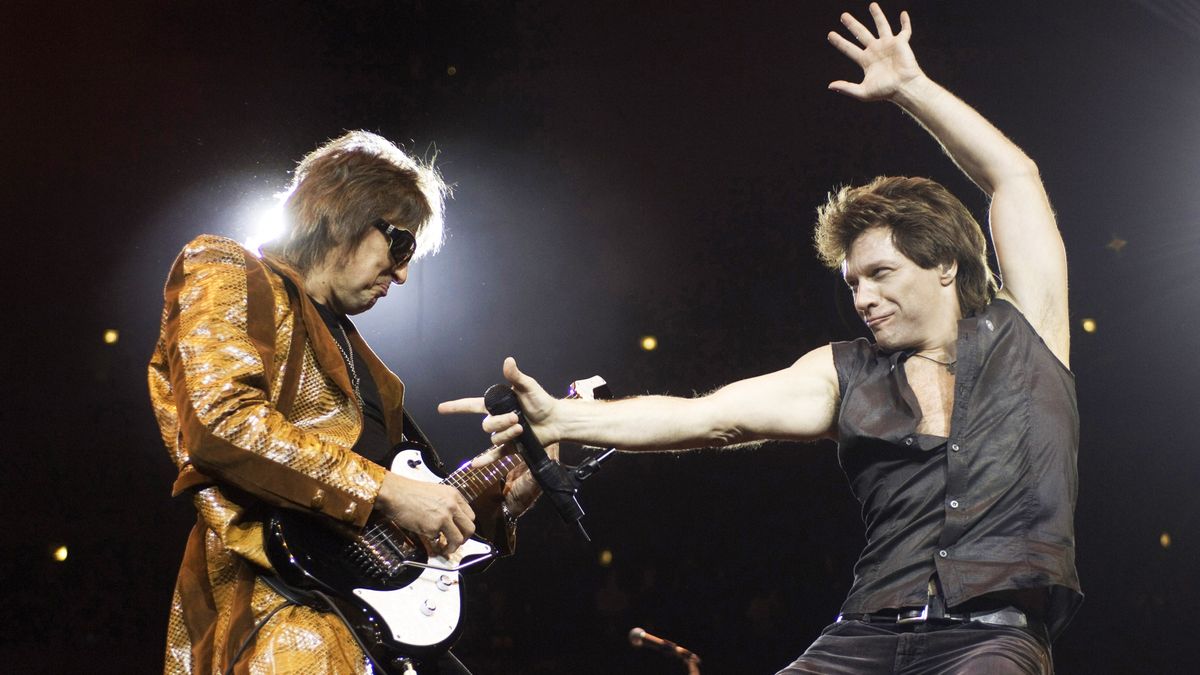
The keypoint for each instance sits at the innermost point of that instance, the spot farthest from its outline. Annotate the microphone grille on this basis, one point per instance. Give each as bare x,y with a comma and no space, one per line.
635,637
500,399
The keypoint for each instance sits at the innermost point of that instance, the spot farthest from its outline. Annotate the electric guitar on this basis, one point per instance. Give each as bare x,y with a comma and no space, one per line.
399,600
403,604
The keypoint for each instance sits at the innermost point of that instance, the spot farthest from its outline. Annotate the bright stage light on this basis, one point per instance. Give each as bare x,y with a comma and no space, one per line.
264,224
1089,325
1164,540
111,336
60,553
649,343
606,558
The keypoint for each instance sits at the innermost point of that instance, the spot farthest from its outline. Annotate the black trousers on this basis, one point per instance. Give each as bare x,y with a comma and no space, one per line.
859,648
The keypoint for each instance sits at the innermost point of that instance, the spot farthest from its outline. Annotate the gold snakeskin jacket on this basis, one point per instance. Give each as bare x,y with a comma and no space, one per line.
256,408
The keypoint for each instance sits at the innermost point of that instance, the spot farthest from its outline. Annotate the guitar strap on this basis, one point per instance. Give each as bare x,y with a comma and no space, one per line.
412,432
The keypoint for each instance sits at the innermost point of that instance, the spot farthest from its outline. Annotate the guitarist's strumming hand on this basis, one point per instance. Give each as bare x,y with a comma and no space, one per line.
438,513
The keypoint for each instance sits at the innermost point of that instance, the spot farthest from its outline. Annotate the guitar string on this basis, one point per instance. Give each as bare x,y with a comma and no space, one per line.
378,534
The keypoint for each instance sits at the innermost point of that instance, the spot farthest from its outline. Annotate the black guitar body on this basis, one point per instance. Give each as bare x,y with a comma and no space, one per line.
401,603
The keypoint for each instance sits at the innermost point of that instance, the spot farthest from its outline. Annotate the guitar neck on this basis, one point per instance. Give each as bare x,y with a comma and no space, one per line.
474,482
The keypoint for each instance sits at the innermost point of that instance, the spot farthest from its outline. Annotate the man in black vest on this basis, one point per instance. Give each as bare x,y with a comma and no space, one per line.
957,427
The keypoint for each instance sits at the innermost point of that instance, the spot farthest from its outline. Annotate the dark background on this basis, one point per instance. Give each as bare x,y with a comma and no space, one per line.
620,169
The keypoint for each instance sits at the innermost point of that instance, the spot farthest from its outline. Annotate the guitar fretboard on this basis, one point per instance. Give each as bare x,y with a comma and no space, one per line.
473,482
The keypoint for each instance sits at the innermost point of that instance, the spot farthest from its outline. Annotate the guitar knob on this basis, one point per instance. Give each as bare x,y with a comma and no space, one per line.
414,463
428,607
444,582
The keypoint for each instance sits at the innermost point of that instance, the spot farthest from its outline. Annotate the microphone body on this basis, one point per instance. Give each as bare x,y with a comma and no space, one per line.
556,482
640,638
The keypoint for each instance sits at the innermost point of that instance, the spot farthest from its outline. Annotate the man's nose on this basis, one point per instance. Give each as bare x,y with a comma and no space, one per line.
865,298
400,274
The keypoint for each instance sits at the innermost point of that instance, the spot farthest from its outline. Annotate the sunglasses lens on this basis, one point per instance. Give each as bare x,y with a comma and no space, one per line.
403,246
401,243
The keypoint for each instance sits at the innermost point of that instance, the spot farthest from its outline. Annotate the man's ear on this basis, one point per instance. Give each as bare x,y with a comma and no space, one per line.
948,272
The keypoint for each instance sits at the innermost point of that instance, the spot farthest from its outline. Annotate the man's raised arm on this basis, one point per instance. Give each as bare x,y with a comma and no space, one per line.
1033,264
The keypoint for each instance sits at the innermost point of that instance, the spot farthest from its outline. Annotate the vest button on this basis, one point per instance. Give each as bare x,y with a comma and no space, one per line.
954,447
943,553
954,503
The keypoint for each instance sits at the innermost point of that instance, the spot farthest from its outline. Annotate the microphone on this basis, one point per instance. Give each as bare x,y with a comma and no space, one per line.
553,478
640,638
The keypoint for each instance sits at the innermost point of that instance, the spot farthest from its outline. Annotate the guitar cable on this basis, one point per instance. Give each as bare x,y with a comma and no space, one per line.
361,645
246,642
292,599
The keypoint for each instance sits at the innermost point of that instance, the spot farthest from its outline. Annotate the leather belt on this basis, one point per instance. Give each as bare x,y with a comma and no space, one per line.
1007,616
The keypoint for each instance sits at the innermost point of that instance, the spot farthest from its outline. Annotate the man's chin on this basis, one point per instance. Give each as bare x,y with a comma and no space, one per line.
885,340
362,308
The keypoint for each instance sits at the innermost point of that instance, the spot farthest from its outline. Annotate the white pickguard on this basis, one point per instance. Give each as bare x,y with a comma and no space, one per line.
427,611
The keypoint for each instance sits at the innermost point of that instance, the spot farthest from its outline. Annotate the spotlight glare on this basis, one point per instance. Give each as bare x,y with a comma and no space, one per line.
263,225
451,71
649,343
1164,540
606,558
60,553
111,336
1089,325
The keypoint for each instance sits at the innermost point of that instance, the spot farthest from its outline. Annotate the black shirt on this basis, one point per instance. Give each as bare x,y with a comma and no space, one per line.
991,508
373,442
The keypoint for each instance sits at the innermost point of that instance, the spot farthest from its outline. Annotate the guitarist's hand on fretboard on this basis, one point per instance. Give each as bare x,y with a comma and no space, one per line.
520,489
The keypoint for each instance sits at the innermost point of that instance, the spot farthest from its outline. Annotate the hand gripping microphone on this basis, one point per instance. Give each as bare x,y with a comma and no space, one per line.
558,484
640,638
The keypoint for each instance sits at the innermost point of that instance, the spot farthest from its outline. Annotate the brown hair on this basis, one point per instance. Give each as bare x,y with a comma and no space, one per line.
929,226
341,189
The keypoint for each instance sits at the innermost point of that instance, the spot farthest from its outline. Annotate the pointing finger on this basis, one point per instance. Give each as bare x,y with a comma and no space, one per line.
463,405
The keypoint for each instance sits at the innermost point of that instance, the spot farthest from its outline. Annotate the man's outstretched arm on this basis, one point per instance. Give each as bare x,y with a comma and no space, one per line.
796,403
1030,250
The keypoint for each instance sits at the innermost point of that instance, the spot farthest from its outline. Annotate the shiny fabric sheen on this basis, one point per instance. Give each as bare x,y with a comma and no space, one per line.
223,356
989,509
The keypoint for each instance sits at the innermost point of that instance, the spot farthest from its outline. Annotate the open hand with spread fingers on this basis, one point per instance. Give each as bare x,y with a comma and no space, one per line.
887,60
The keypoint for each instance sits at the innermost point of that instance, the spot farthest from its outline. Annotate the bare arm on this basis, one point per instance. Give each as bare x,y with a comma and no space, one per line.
1030,250
796,403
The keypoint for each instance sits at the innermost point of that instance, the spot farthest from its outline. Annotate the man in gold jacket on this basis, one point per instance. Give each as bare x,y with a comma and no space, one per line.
266,396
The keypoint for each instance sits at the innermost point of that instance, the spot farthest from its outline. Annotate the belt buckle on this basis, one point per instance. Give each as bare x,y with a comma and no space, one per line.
919,618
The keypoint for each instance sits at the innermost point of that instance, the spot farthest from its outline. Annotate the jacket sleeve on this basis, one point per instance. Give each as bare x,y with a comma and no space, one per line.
220,369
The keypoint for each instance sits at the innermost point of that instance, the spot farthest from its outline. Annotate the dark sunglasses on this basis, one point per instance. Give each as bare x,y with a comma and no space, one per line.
401,243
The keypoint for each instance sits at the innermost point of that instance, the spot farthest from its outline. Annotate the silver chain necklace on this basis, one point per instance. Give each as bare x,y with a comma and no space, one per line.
354,379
